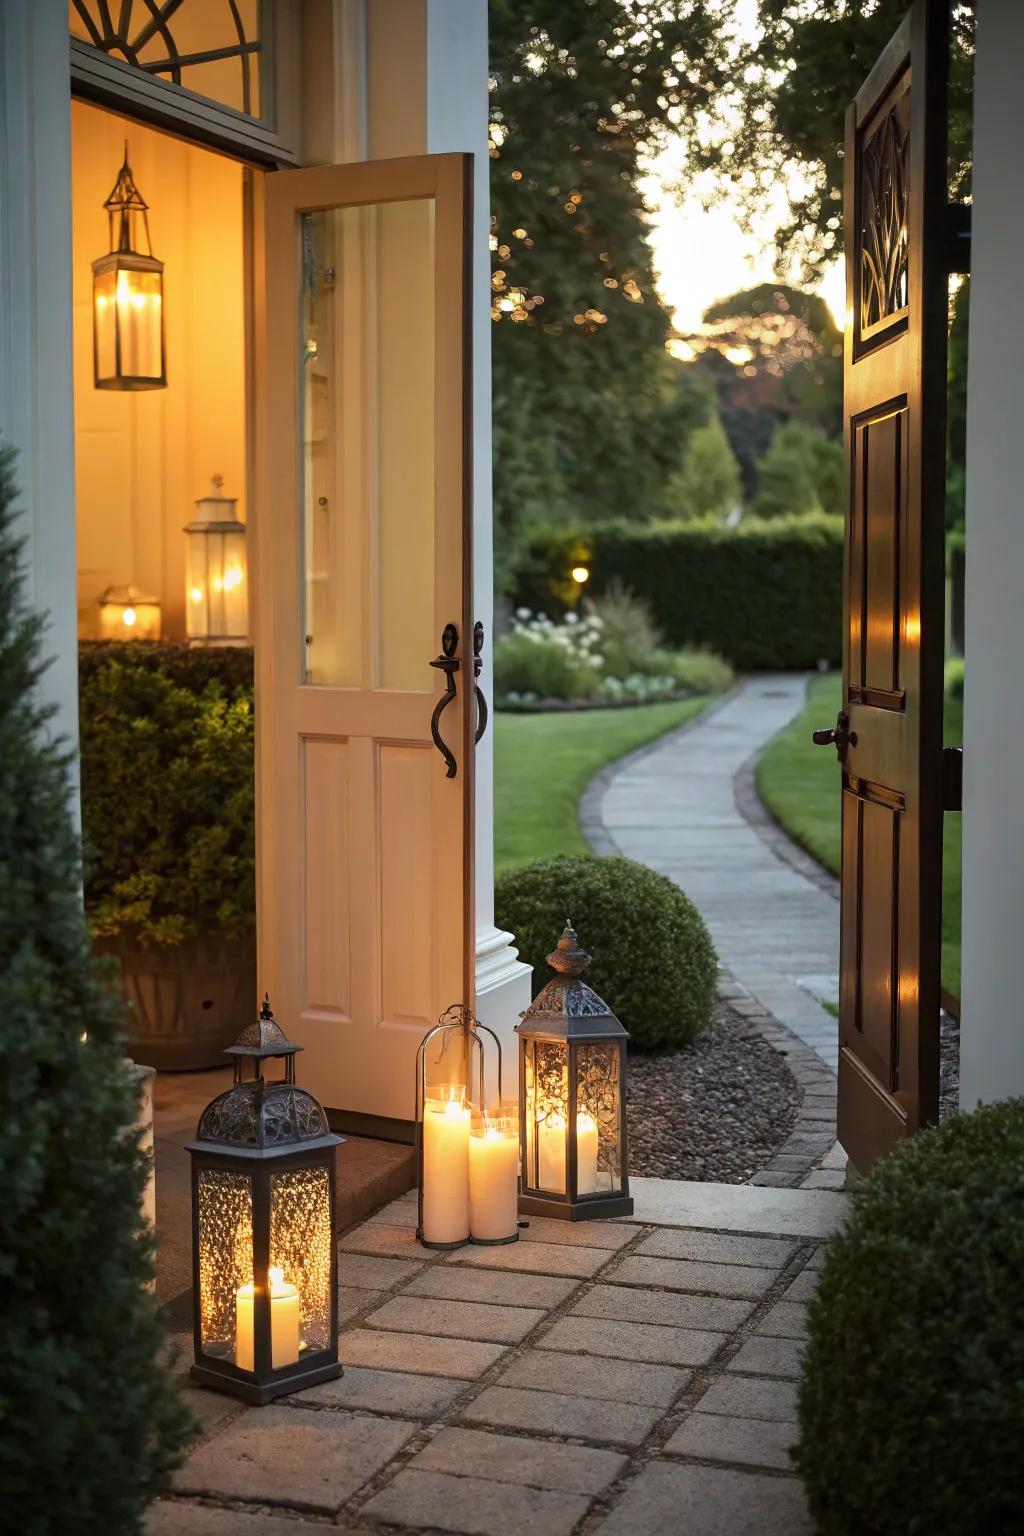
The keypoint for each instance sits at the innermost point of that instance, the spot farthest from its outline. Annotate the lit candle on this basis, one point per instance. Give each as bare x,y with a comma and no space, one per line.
493,1175
446,1126
284,1322
551,1153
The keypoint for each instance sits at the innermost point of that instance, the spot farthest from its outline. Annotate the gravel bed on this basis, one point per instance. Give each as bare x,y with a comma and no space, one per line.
716,1110
949,1065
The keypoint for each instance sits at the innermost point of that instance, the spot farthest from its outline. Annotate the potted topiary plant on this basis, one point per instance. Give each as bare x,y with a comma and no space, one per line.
167,812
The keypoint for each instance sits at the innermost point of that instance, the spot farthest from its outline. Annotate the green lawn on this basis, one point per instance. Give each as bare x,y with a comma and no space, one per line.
543,763
799,783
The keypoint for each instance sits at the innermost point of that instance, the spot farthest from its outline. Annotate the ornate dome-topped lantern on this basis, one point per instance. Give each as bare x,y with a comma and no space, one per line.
572,1086
263,1229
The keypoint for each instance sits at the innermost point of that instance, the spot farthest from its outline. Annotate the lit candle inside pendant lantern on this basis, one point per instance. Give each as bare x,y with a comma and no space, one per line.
128,296
216,581
572,1079
263,1229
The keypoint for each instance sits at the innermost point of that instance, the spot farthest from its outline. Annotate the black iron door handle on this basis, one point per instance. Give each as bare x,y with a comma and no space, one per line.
839,736
481,702
449,664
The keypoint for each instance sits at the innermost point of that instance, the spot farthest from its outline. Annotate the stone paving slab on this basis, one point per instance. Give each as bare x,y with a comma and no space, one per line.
749,1397
717,1248
374,1272
394,1242
709,1314
403,1392
739,1207
166,1518
456,1319
474,1505
755,1442
621,1381
739,1281
786,1320
766,1356
606,1422
541,1258
314,1461
454,1283
708,1501
353,1299
516,1459
803,1287
584,1234
463,1358
631,1341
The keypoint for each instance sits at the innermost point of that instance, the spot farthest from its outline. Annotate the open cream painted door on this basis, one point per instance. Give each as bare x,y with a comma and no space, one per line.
364,580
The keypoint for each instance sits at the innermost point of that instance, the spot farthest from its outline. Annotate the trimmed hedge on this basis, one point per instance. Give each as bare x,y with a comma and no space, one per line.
766,595
653,960
912,1400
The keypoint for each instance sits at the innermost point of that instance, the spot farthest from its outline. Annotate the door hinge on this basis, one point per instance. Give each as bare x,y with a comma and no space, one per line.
952,779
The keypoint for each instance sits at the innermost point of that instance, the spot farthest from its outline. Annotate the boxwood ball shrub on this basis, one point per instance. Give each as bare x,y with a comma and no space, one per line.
653,960
912,1399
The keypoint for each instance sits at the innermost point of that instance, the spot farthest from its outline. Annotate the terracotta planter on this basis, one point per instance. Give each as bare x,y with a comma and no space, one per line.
188,1001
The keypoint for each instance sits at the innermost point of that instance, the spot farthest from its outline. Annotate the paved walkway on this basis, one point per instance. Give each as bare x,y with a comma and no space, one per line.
629,1378
674,808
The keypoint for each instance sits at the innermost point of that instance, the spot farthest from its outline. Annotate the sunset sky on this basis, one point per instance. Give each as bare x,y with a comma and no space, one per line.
701,257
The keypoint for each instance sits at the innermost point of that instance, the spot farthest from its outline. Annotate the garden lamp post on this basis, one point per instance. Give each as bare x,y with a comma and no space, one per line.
572,1085
128,614
216,586
264,1261
128,296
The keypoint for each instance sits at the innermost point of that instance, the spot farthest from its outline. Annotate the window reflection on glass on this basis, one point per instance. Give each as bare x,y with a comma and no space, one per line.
366,349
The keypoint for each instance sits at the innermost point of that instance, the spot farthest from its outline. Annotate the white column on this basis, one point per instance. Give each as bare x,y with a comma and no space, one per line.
427,91
992,1032
36,388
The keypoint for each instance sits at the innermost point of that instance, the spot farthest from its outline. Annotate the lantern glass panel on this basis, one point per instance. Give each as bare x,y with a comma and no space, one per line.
546,1064
300,1245
598,1097
104,297
225,1255
218,603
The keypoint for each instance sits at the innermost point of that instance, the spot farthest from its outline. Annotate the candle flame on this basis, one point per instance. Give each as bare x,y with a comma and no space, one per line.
275,1274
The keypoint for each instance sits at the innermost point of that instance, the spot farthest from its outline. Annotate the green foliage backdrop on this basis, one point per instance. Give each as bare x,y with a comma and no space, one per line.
766,595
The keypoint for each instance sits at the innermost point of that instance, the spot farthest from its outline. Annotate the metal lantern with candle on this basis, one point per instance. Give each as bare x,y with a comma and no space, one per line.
264,1261
572,1085
466,1157
128,296
128,614
216,585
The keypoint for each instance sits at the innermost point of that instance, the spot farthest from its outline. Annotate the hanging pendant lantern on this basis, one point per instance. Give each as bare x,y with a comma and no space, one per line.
264,1257
572,1087
128,296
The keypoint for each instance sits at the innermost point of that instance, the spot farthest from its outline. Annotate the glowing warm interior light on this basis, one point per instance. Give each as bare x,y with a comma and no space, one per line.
275,1274
129,617
232,578
196,594
580,574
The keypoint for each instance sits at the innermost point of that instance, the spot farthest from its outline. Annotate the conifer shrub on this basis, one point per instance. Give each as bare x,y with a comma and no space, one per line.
912,1399
91,1423
652,957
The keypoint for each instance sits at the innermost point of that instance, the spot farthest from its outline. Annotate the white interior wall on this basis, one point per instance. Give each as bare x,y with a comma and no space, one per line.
992,1031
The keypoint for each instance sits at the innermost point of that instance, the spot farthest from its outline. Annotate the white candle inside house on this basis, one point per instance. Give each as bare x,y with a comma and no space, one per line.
551,1153
284,1322
446,1125
493,1175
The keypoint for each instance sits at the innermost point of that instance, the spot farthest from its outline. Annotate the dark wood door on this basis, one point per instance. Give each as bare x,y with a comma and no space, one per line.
890,733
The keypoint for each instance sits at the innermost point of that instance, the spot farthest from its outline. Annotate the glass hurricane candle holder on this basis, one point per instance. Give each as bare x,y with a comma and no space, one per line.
572,1082
444,1123
263,1230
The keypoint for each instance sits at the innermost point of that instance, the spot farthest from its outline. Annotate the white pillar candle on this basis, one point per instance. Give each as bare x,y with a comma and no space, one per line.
493,1173
446,1126
284,1322
551,1153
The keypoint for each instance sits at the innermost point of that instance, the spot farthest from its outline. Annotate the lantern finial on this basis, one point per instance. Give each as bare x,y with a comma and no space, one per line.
569,958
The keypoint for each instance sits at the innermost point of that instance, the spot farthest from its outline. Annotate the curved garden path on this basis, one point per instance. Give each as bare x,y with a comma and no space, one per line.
683,806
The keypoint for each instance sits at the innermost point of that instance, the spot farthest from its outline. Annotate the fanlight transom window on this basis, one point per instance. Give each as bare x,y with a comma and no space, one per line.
212,47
